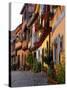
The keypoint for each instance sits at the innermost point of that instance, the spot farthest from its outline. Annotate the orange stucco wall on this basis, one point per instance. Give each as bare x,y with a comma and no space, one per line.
60,30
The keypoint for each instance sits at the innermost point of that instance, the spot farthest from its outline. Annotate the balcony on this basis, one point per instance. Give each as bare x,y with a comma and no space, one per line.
18,45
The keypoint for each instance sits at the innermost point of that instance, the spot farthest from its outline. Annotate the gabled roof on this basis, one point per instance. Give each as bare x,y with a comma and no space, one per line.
27,5
21,27
23,8
18,28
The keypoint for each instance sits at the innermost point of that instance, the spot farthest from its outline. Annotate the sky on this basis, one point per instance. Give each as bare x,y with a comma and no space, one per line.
16,17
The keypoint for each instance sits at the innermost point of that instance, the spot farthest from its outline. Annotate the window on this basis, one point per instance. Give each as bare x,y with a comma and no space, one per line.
61,43
35,54
23,36
18,64
38,53
55,52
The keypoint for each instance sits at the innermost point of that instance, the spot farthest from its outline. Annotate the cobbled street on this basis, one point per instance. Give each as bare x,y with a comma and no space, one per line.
28,78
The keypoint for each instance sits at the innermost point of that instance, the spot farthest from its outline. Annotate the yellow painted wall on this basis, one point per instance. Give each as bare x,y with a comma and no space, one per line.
44,43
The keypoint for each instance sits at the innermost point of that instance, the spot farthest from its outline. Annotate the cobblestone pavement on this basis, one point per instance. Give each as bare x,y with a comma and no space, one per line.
28,78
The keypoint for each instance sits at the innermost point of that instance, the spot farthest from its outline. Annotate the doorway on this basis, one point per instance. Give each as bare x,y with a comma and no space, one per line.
18,64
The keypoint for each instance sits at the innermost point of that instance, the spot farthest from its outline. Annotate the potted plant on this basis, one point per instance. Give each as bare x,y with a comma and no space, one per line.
36,66
60,73
52,74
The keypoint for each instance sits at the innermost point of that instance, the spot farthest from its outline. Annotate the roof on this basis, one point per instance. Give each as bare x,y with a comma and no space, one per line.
14,32
23,8
18,28
21,27
13,35
27,5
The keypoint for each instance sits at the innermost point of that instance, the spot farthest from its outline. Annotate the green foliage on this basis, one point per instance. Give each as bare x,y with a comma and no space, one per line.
47,58
60,73
36,66
30,59
50,72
